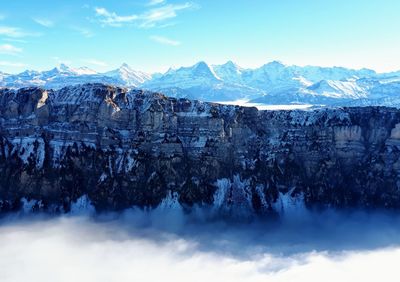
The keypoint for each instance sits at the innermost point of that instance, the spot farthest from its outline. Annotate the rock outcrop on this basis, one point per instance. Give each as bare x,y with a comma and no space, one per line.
115,149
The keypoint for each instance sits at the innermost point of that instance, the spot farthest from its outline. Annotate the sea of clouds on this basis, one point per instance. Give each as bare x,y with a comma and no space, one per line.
172,246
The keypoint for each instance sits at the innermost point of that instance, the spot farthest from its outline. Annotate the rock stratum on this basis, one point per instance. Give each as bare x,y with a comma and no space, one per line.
113,149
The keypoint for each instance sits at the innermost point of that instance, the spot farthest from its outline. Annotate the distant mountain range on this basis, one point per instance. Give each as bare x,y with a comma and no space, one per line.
272,83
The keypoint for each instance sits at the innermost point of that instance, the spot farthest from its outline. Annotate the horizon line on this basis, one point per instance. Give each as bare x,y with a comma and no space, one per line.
73,66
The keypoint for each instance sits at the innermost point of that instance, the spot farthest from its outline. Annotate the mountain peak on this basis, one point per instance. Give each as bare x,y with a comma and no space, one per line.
201,65
203,69
230,64
276,64
125,75
125,66
84,71
63,68
229,72
171,70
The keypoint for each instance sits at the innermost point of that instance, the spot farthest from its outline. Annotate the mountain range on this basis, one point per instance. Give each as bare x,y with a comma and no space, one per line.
273,83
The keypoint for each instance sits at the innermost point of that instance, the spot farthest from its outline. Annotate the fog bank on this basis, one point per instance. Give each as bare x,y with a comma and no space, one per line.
155,246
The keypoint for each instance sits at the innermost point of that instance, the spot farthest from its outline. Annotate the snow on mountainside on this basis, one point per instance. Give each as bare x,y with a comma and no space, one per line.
64,70
126,76
3,75
200,81
186,77
273,83
337,89
229,72
64,75
274,77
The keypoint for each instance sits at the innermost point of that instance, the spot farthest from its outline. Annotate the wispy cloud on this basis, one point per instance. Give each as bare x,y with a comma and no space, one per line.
95,62
2,17
165,40
11,31
156,2
10,49
12,64
157,15
17,40
112,19
83,31
148,19
43,22
15,32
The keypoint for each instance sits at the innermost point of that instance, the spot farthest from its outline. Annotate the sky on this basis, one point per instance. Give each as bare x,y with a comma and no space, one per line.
153,35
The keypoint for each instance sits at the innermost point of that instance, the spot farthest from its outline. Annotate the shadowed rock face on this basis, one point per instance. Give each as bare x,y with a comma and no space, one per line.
121,149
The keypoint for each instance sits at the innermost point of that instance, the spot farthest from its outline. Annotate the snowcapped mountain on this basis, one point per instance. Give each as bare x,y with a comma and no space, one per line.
65,71
229,72
274,77
126,76
337,89
64,75
272,83
186,77
200,81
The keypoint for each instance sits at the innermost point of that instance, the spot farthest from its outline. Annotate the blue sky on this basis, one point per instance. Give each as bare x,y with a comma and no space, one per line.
152,35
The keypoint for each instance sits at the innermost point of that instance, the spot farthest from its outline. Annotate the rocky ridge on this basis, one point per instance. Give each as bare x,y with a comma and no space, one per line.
114,148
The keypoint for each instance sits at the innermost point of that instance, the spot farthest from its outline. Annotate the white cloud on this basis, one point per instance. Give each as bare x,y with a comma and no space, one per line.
112,19
12,64
11,31
17,40
95,62
44,22
15,32
136,248
9,49
154,16
165,40
84,31
155,2
148,19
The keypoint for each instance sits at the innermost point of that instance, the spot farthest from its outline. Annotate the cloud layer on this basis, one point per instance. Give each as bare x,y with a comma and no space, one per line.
163,246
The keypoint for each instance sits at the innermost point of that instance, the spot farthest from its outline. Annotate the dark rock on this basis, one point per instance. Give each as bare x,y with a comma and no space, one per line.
133,148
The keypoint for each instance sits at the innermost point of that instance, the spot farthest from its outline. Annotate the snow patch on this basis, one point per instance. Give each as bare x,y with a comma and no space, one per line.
266,107
171,201
261,195
27,147
82,206
289,205
102,177
27,206
220,195
233,197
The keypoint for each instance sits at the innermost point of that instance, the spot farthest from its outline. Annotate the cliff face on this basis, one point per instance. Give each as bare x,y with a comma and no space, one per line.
120,149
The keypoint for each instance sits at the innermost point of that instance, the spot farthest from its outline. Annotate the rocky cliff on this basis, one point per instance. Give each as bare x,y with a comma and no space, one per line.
117,149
